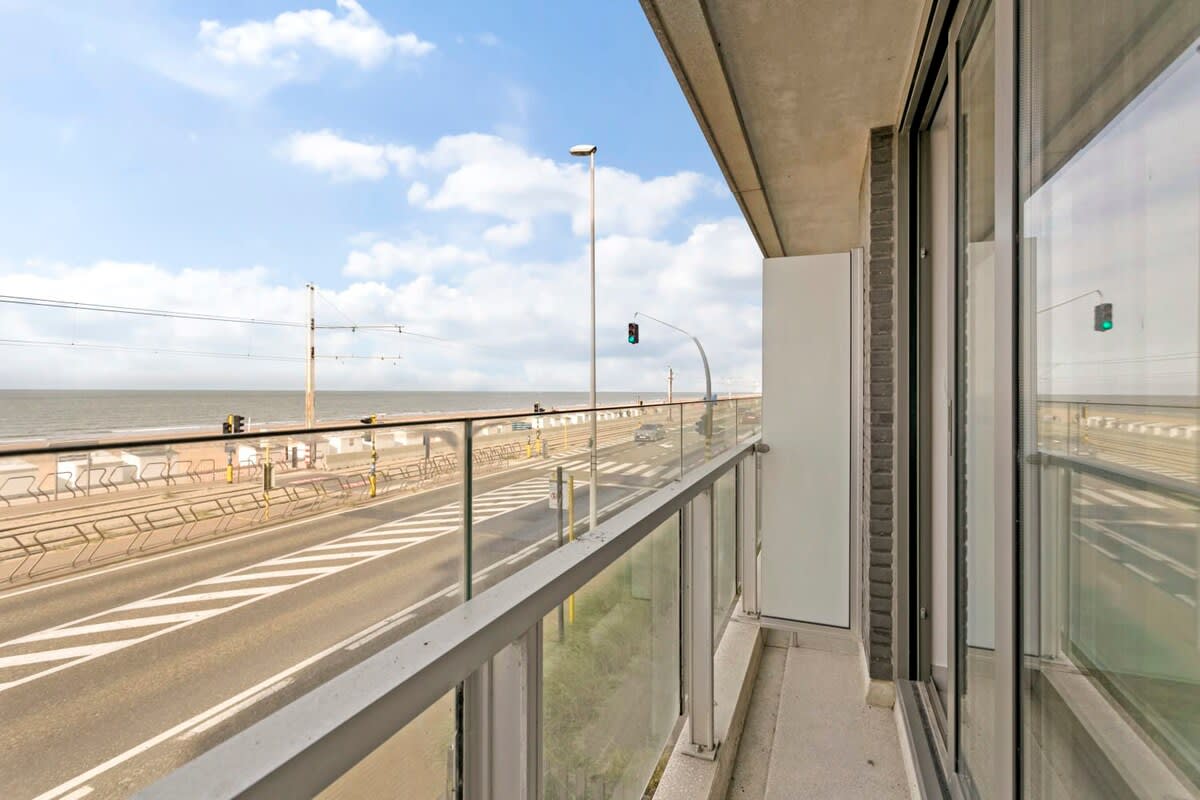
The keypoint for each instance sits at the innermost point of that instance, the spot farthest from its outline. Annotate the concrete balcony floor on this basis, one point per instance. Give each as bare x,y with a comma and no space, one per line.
809,732
794,722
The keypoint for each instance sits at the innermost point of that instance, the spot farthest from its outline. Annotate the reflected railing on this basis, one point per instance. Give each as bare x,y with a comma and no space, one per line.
1161,438
1117,564
299,554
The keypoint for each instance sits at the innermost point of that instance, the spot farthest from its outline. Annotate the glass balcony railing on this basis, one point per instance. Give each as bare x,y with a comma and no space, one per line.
216,582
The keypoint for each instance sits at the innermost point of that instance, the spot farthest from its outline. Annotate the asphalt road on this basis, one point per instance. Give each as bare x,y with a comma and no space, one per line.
110,679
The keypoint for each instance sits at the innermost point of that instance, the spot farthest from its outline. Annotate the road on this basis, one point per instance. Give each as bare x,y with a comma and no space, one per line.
110,679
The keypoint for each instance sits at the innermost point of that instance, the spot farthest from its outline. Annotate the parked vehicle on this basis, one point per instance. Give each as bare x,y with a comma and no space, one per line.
650,432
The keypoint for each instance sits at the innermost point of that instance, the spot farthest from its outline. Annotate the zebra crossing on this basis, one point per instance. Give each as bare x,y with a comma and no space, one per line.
1128,498
42,653
624,469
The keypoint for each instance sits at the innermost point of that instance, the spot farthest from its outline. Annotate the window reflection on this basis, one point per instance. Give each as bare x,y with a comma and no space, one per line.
1111,175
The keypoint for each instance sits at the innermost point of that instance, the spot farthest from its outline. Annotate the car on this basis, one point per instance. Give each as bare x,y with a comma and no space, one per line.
650,432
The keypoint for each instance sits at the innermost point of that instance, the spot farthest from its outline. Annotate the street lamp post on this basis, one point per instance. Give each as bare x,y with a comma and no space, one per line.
589,150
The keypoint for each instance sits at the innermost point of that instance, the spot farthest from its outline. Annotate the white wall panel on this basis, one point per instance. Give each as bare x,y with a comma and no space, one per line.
807,403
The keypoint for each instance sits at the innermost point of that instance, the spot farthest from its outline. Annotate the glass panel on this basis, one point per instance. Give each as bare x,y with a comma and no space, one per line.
611,676
515,503
417,763
749,417
724,550
1110,178
976,404
217,594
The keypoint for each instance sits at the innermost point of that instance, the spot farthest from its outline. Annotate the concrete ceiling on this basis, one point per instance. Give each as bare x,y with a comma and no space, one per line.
787,92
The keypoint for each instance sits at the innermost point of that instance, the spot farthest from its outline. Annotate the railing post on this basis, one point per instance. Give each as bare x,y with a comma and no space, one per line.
698,601
475,735
502,735
468,444
747,497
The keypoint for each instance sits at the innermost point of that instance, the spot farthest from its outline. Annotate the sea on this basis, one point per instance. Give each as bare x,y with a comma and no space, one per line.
74,414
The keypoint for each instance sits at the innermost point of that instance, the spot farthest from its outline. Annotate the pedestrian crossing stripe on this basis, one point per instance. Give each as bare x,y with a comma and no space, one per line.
50,650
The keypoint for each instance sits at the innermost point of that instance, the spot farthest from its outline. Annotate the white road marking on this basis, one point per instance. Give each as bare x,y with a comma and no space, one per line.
370,543
323,557
1141,572
237,708
115,625
380,631
278,573
390,531
204,597
1133,498
1103,498
82,791
62,654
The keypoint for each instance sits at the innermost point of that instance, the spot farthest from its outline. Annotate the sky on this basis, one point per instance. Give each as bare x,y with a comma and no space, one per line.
1118,223
408,158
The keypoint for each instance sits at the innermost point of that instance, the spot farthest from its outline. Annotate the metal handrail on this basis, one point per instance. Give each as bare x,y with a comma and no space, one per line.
1136,478
60,448
310,743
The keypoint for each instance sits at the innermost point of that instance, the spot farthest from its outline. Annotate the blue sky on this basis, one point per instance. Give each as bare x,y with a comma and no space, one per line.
409,158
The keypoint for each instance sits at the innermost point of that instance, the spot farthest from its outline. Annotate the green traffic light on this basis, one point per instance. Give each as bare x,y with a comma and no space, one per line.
631,340
1106,325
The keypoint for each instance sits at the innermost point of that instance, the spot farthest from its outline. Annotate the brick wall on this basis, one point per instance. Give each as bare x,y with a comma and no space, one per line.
879,405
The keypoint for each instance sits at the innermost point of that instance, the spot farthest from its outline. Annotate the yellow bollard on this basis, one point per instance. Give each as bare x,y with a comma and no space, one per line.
374,461
571,538
267,481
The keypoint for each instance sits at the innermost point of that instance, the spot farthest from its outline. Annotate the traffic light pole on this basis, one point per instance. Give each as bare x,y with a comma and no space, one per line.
708,410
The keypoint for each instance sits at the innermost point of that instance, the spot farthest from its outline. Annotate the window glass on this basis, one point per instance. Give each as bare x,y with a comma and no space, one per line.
976,344
1110,216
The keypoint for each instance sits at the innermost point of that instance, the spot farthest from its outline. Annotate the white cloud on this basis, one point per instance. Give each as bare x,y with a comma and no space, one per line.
418,193
353,35
488,39
488,175
513,324
513,235
342,159
383,259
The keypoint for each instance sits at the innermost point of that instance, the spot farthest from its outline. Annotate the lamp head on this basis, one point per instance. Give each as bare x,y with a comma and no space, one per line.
583,150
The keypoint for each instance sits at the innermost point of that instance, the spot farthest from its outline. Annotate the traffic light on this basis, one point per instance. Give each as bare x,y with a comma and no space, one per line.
633,333
227,425
238,423
1103,317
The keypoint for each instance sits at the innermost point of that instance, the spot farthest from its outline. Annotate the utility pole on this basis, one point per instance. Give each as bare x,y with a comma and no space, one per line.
310,374
670,392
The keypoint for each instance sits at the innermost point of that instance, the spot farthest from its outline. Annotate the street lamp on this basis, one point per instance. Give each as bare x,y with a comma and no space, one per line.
589,151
